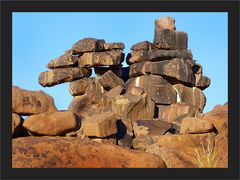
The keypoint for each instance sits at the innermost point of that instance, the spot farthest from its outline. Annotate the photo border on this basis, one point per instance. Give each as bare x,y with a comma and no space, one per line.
7,7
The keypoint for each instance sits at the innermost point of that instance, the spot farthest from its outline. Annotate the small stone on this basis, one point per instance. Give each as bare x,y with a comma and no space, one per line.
202,82
145,45
191,125
88,45
62,75
115,45
52,124
25,102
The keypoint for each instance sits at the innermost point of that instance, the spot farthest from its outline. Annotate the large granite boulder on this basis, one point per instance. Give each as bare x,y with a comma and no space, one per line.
176,70
74,152
159,89
52,124
25,102
61,75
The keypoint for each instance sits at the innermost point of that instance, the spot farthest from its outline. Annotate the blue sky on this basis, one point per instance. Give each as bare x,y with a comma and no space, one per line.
41,37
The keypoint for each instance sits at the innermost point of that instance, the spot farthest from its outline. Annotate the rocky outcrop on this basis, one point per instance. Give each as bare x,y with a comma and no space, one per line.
60,152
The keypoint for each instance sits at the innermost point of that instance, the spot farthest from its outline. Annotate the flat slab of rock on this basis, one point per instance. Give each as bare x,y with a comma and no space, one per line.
109,80
77,153
52,124
114,45
170,39
157,55
159,89
88,45
66,60
100,125
175,111
105,58
25,102
151,127
191,125
175,68
191,95
62,75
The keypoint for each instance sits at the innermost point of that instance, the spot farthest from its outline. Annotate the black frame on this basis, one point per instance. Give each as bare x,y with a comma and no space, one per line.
7,7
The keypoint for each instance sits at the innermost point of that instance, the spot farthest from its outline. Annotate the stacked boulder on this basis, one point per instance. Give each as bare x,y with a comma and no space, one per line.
165,70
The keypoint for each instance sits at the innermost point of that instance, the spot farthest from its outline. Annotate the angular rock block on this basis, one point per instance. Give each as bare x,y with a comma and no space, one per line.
170,39
109,80
151,127
133,107
202,82
25,102
62,75
191,125
174,111
66,60
175,68
106,58
165,22
157,55
51,124
100,125
100,70
159,89
81,86
144,45
114,92
191,95
88,45
115,45
74,152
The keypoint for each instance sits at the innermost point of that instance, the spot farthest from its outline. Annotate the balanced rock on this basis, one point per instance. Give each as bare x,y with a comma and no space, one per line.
115,45
88,45
202,82
174,111
170,39
145,45
52,124
165,22
191,96
25,102
106,58
176,69
66,60
100,125
191,125
159,89
62,75
158,55
77,153
109,80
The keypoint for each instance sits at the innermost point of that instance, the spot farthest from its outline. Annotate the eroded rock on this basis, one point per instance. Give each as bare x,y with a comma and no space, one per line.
114,45
88,45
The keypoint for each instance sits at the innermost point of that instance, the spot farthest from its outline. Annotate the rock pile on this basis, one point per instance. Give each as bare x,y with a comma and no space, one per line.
154,105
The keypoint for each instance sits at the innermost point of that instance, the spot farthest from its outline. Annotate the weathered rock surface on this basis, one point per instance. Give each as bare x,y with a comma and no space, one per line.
16,125
142,142
100,125
191,96
133,107
51,124
105,140
62,75
170,39
81,86
165,22
114,45
175,68
25,102
88,45
191,125
106,58
159,89
158,55
66,60
144,45
174,111
202,82
100,70
109,80
77,153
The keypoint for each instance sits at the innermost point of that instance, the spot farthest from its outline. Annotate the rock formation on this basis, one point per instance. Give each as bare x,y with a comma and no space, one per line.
154,105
